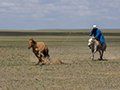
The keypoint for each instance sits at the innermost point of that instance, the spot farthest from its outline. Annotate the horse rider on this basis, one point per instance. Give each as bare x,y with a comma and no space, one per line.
98,35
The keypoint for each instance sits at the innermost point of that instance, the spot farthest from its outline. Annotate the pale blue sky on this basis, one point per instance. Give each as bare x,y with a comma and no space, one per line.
59,14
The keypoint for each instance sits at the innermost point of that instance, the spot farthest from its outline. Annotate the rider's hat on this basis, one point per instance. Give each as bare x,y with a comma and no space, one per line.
94,26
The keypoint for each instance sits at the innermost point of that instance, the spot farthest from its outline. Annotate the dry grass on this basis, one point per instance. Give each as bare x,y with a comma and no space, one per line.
79,72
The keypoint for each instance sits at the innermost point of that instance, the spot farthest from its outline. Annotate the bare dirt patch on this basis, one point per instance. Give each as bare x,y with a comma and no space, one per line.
58,61
52,60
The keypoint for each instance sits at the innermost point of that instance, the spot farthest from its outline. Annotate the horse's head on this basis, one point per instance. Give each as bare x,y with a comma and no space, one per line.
31,42
90,41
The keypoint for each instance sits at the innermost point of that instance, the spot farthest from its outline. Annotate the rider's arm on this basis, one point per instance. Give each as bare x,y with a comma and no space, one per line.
98,33
91,32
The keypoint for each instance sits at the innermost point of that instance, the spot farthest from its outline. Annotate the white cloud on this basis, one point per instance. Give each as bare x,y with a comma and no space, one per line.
51,19
110,17
34,1
64,1
85,13
60,10
37,16
6,4
110,3
3,10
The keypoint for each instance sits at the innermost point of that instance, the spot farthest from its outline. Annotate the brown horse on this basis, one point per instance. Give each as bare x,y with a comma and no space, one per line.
39,49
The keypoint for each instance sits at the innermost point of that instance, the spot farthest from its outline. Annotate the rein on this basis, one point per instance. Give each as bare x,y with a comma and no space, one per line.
66,38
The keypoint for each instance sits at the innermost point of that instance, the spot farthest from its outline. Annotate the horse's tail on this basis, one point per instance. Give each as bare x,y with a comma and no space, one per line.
105,49
46,52
105,46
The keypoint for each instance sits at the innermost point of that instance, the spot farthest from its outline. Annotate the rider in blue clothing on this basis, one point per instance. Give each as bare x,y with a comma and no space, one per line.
97,35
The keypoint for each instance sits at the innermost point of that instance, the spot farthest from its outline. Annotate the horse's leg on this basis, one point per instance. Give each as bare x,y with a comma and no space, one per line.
48,59
100,55
39,58
36,55
93,54
47,55
42,56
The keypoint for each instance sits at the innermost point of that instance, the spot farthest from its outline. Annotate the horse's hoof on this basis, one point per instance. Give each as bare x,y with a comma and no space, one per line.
100,59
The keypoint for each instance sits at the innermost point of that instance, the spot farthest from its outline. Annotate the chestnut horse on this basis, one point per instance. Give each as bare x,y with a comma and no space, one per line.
39,49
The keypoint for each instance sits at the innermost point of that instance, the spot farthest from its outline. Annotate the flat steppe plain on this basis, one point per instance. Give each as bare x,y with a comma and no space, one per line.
19,72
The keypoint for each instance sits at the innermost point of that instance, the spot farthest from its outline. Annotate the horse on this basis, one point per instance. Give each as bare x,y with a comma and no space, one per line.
39,49
95,45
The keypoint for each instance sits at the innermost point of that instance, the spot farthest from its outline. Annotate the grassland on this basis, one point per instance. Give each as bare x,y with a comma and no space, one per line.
19,72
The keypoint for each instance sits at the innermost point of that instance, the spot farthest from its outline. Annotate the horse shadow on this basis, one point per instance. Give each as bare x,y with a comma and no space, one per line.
101,60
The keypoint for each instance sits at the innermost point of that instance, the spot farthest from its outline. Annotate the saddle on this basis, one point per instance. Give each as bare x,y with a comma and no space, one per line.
97,39
100,45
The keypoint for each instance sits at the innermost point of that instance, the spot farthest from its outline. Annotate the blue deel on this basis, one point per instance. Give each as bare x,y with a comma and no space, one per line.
98,34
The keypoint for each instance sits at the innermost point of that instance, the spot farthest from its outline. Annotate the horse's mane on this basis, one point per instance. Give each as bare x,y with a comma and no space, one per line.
33,40
95,40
